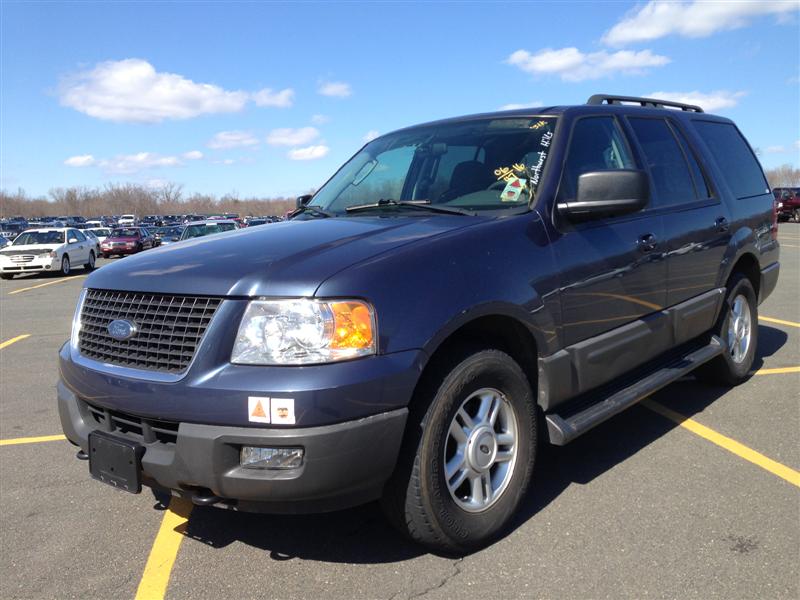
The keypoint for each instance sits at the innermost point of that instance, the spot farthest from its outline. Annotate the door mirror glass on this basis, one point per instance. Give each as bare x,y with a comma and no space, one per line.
73,240
303,200
603,194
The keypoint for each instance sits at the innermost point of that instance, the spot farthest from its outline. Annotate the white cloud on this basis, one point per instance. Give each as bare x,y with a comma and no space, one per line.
797,145
132,90
655,20
156,184
515,106
320,119
193,155
83,160
232,139
337,89
570,64
292,137
308,153
775,149
226,162
709,102
370,135
267,97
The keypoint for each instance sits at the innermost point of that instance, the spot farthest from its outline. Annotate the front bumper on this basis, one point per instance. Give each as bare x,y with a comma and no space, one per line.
118,249
344,464
36,265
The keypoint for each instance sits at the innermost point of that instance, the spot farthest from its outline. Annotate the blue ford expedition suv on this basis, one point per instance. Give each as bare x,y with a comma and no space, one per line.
457,294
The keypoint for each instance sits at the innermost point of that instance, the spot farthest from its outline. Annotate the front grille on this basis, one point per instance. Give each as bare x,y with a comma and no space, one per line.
169,328
144,430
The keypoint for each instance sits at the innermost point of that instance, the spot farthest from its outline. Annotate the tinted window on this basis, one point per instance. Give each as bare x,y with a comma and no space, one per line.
700,181
40,237
734,158
74,233
669,172
597,144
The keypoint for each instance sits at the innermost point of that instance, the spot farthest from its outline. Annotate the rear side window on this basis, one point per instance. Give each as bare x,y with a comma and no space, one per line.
734,158
597,144
700,181
668,168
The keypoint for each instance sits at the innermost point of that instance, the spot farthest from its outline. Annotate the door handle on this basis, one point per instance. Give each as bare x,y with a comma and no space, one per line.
722,225
647,242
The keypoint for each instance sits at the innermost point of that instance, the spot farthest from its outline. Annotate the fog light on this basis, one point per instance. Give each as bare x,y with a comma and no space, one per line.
253,457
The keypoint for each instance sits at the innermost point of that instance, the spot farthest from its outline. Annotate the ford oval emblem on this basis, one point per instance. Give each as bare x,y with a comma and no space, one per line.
121,329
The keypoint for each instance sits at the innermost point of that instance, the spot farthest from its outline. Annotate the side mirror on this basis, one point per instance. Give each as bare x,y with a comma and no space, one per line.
603,194
303,200
72,241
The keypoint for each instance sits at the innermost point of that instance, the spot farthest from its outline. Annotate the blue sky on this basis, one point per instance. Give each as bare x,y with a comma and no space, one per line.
268,99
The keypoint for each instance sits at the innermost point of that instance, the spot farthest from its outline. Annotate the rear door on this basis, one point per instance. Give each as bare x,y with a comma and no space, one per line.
696,222
78,250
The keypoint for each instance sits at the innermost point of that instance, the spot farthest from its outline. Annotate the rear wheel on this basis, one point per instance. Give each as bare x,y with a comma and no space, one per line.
7,276
738,328
65,267
796,215
468,456
90,263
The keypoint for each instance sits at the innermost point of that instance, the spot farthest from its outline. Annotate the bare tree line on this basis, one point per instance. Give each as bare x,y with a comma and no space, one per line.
120,198
117,199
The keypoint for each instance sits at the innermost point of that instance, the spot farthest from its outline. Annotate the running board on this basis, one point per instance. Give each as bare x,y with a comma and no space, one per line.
563,430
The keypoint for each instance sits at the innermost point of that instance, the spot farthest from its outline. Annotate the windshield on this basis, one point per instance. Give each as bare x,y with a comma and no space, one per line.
125,232
483,165
194,231
39,237
102,232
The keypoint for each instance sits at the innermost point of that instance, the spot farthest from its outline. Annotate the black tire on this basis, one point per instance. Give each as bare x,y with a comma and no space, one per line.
65,265
417,499
7,276
89,266
725,369
796,215
106,256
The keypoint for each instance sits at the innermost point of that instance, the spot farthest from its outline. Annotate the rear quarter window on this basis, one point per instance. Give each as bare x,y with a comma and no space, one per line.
734,158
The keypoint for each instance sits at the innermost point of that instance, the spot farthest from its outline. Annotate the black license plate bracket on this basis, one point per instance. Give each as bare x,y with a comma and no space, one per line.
116,461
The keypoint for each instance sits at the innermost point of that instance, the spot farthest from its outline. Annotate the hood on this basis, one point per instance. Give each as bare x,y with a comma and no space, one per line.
28,249
285,259
121,239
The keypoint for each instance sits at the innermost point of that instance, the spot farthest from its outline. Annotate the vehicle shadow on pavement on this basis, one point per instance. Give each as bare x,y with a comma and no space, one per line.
361,535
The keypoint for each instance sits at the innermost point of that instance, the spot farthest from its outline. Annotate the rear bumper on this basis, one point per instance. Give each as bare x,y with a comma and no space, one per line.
769,279
344,464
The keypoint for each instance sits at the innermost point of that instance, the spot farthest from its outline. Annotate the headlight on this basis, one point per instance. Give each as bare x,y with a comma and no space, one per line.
302,331
76,320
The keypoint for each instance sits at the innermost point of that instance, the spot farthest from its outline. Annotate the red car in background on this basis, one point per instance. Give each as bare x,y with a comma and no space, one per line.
787,201
126,240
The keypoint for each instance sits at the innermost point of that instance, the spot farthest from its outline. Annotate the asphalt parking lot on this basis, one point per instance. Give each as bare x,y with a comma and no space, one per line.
694,494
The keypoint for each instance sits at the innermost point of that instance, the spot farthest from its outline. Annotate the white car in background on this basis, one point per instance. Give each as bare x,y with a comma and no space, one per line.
127,221
100,233
42,250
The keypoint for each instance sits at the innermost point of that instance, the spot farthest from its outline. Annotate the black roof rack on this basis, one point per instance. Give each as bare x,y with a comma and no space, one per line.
646,102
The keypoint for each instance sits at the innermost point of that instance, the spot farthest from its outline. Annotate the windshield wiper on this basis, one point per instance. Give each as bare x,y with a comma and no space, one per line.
418,204
314,210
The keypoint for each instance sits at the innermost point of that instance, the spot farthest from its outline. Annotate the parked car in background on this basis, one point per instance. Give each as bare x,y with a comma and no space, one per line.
11,229
787,203
101,232
168,235
254,222
126,240
90,235
4,241
127,220
209,227
52,249
95,223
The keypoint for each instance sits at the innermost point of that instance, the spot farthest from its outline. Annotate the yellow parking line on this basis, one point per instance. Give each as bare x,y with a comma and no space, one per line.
788,246
725,442
156,574
31,440
14,340
778,321
777,371
33,287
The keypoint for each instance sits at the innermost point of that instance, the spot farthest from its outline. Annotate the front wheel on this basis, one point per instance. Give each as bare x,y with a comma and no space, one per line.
65,267
7,276
468,456
796,215
738,328
90,263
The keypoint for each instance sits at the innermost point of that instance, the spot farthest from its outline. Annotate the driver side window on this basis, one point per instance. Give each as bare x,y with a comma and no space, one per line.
380,179
597,144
